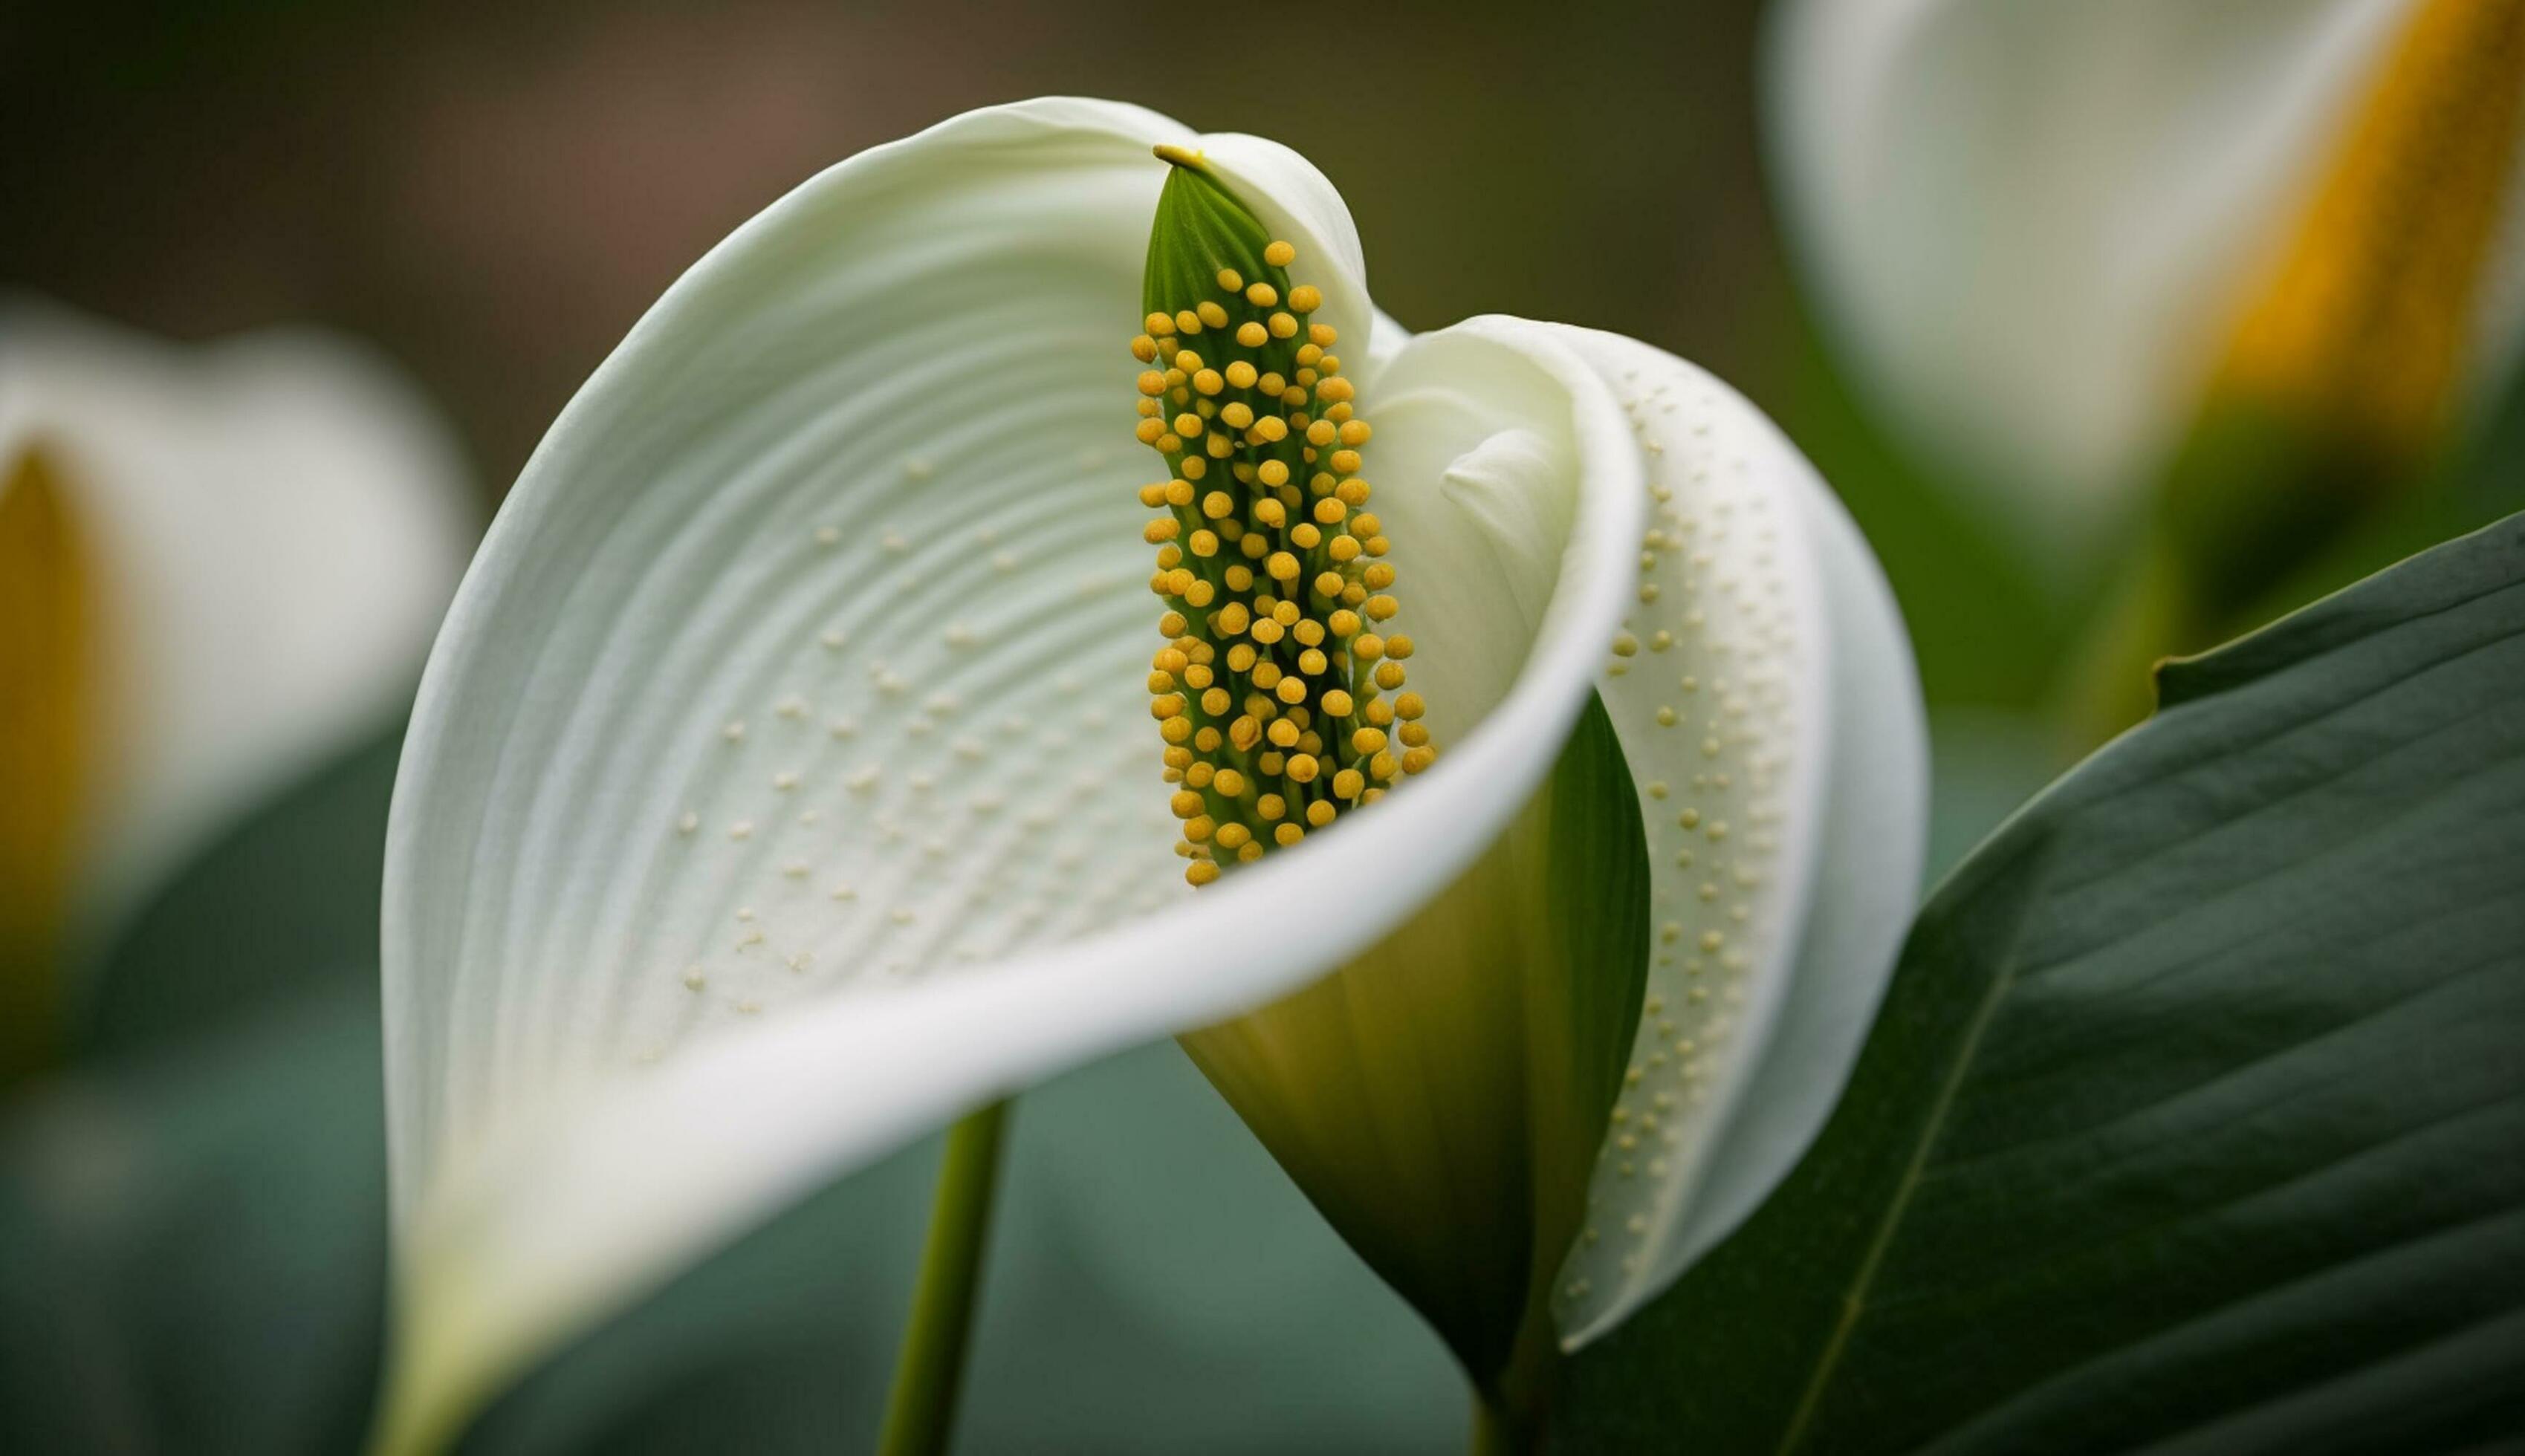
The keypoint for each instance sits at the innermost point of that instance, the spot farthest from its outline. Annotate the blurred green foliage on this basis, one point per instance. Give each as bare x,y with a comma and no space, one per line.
193,1233
193,1243
284,907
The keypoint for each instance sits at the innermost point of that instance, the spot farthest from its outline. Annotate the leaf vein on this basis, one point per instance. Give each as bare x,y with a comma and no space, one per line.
1854,1299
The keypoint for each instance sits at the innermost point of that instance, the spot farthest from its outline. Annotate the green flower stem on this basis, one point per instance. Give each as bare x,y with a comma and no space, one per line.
1511,1410
920,1413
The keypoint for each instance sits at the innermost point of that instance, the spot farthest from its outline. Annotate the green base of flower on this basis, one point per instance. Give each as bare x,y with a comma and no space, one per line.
1502,1432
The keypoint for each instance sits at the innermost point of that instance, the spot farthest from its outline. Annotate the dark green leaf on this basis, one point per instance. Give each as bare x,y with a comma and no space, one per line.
2194,1118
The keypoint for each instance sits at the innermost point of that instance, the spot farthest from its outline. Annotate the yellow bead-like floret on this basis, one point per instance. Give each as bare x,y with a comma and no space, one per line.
1275,699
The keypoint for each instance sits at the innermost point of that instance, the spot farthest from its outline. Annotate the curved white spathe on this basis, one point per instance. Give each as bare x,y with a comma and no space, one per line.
2035,225
781,783
1765,697
276,522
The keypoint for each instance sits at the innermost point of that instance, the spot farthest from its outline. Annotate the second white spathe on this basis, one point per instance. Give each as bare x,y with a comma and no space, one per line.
2035,227
270,525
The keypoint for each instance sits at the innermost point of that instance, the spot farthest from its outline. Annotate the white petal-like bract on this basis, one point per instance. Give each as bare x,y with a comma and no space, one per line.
1765,698
782,782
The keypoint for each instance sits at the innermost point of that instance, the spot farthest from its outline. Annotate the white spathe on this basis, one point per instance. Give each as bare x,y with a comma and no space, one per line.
2035,225
783,783
1769,711
275,521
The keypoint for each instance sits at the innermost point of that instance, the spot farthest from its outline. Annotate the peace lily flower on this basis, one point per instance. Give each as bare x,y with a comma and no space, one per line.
785,781
2264,250
215,564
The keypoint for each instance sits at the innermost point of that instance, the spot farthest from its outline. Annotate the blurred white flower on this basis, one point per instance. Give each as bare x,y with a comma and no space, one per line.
2049,232
224,561
784,783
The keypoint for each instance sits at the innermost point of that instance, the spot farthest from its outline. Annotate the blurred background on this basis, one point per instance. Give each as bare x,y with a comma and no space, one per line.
191,1189
494,193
